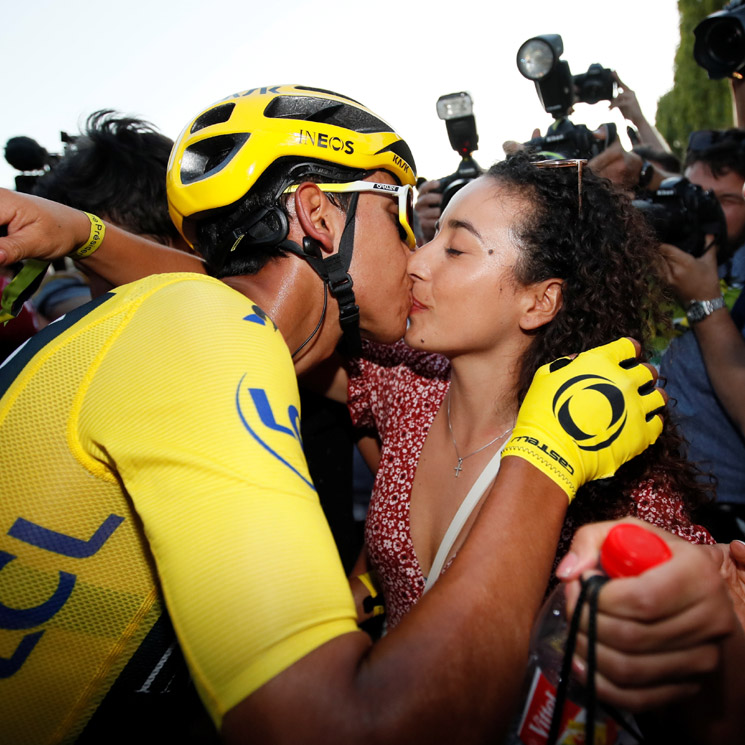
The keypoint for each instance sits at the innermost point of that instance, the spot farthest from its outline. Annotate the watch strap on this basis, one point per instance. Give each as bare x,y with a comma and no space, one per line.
645,175
697,310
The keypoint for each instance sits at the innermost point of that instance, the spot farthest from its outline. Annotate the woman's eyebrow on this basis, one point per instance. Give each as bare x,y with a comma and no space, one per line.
466,225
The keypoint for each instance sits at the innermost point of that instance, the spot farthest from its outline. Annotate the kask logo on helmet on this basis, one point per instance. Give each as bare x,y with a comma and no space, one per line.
580,394
323,140
401,163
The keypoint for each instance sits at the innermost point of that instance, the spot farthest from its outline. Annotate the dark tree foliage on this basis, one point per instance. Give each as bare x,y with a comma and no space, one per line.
694,102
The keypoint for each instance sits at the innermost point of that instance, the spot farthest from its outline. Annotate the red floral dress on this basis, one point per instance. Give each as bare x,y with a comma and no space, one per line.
398,391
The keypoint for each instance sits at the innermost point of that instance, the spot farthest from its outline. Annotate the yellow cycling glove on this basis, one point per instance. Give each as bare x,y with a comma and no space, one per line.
583,418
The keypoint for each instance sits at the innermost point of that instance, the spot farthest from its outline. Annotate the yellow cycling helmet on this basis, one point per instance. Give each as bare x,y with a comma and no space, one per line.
223,152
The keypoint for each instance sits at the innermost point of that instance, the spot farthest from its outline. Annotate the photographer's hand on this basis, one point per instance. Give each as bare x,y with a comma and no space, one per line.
691,278
628,104
623,167
720,341
428,208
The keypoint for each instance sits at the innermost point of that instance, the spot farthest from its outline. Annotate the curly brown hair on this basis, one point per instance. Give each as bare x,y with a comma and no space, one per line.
606,255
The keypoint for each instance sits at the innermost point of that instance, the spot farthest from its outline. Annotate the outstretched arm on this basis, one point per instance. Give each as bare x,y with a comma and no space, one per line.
40,229
451,671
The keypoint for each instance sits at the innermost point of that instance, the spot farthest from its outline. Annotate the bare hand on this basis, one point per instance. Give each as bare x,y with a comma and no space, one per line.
38,228
428,208
626,102
659,633
691,278
618,165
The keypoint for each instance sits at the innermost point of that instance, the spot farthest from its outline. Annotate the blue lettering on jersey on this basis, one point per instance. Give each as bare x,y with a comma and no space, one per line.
258,316
269,421
12,664
58,543
27,618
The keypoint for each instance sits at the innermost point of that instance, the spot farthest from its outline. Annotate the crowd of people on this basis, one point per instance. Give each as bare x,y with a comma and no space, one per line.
241,297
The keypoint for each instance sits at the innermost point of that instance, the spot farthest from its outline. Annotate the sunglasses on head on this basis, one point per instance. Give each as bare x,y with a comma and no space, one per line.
404,195
577,163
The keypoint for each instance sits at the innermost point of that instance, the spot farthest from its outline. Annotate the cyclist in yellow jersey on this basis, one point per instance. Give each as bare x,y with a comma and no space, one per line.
150,454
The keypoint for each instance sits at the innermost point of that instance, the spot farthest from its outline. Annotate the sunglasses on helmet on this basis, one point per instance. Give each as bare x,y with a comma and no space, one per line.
404,195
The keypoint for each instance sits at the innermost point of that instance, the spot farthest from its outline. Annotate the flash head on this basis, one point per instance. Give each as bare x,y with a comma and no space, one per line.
538,56
457,111
454,106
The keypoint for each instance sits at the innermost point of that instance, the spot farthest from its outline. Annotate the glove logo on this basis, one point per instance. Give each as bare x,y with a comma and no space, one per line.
579,394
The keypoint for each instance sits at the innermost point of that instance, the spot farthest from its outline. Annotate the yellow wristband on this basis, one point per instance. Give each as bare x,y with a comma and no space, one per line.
366,580
370,605
98,231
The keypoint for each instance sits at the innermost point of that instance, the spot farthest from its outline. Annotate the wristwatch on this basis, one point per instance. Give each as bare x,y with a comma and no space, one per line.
645,175
697,310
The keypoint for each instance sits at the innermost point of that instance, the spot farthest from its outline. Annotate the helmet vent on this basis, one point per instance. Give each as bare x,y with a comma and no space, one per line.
311,109
218,115
326,93
207,157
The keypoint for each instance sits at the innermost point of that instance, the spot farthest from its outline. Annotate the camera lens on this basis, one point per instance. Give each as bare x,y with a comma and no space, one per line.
726,44
535,59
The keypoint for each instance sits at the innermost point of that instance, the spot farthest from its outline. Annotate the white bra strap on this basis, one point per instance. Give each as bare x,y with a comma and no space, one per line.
461,516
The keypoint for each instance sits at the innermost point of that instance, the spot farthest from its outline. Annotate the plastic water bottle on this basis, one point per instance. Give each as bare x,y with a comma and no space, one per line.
627,551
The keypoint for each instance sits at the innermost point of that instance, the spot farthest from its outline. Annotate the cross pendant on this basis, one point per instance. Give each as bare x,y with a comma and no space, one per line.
458,468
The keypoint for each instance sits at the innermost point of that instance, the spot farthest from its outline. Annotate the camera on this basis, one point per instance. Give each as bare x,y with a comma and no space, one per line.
558,90
597,84
720,42
683,214
28,156
456,109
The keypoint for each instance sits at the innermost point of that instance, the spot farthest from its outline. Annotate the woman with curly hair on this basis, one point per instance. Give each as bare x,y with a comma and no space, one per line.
529,263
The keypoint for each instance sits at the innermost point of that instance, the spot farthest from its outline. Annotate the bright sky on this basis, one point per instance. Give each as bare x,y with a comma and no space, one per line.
165,61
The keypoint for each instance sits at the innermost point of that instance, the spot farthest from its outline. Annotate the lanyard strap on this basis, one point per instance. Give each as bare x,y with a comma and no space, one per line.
589,595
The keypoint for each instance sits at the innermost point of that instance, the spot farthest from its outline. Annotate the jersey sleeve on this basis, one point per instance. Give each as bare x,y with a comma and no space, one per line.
195,409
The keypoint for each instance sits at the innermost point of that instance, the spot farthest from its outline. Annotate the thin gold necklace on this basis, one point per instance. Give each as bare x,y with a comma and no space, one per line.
459,467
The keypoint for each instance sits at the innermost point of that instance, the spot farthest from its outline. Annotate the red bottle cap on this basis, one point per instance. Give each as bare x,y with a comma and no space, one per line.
629,550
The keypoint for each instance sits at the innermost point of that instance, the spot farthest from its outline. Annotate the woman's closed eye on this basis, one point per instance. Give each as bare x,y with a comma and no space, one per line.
450,251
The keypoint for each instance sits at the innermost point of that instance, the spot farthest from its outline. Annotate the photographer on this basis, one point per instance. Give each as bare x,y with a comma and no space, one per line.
718,335
627,103
706,408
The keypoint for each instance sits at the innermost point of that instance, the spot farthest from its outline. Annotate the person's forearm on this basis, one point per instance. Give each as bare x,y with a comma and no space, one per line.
124,257
723,350
489,597
452,670
649,135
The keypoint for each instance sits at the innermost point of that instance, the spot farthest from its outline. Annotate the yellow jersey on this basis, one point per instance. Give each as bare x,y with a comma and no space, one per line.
150,452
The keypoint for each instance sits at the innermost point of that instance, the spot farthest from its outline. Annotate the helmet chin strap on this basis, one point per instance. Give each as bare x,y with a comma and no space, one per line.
334,271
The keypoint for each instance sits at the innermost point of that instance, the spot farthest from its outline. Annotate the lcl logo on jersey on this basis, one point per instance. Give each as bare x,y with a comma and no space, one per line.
277,431
579,394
